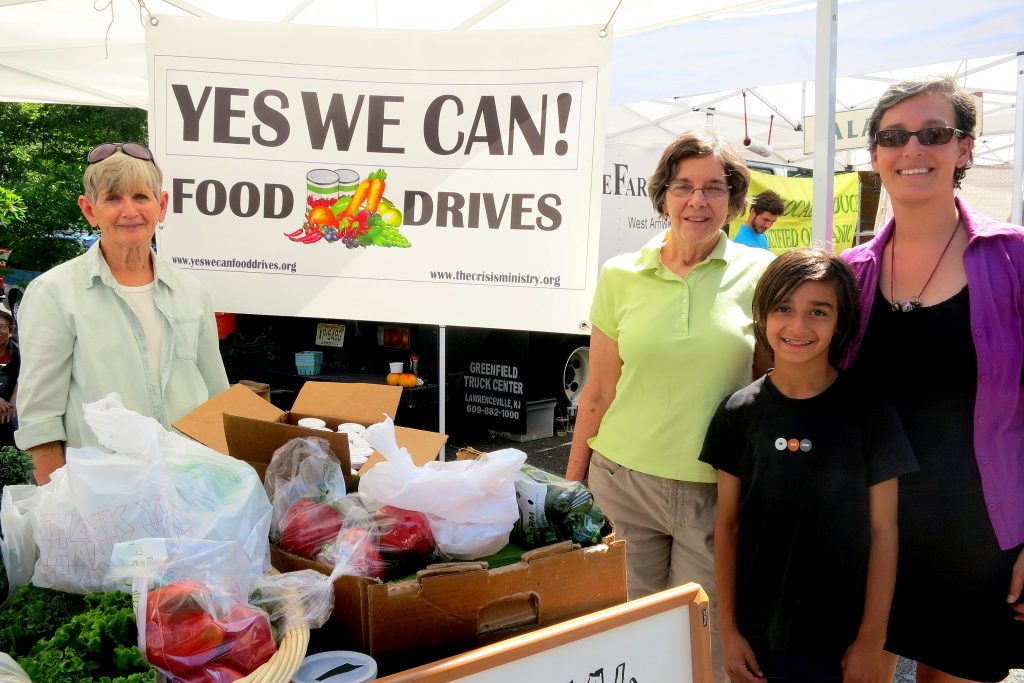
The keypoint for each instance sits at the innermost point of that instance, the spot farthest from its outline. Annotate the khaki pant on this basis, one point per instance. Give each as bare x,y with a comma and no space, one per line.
668,526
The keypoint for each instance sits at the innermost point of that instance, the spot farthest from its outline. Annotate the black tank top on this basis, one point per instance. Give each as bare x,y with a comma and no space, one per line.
924,362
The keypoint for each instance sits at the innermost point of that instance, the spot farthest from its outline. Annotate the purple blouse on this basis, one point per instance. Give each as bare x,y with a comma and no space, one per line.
994,261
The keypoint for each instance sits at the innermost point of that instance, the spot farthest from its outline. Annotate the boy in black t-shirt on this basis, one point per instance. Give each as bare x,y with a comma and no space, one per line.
805,538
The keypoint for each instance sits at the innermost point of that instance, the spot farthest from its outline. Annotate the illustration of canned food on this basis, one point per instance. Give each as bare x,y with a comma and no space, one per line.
348,181
321,183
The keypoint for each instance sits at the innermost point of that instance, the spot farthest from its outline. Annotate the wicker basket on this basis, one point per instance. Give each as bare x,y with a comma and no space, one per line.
282,666
290,652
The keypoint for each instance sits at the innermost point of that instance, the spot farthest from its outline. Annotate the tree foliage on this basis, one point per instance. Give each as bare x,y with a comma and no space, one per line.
42,158
12,207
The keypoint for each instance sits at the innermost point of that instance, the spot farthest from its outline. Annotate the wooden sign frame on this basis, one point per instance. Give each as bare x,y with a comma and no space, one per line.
681,612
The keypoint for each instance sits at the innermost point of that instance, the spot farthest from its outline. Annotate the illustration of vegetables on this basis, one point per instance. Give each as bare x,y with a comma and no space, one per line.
363,219
357,199
376,179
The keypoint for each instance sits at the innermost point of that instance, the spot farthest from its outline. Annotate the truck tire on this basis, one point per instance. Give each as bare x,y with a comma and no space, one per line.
575,371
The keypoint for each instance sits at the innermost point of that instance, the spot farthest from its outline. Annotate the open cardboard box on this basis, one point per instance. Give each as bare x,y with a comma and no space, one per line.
239,423
456,606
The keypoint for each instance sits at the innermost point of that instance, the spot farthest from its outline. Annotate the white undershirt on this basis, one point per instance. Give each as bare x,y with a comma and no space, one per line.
143,302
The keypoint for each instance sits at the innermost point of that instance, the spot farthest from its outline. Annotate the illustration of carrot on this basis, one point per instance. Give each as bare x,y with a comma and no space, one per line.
357,199
377,179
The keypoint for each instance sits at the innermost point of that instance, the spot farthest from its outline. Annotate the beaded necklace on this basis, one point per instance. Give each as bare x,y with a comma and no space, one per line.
914,301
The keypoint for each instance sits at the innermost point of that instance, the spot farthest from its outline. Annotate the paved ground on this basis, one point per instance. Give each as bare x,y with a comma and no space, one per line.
552,454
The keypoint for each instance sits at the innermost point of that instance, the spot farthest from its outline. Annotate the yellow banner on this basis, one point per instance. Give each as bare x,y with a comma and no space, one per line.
793,229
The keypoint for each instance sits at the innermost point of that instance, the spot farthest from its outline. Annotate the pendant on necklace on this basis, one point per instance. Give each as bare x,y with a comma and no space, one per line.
906,306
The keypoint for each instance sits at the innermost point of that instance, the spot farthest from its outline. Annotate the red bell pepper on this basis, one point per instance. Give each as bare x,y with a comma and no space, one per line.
307,525
181,634
404,531
252,642
357,548
190,645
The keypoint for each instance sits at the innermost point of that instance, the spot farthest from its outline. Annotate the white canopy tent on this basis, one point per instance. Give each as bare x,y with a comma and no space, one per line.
675,66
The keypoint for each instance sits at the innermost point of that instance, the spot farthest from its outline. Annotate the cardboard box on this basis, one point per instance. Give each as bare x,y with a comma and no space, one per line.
261,389
540,421
461,605
239,423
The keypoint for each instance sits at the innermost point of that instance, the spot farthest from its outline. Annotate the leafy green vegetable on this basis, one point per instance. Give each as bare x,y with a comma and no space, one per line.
57,637
34,613
15,467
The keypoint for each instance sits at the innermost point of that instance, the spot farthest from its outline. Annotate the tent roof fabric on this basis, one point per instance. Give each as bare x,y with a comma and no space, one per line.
61,51
672,63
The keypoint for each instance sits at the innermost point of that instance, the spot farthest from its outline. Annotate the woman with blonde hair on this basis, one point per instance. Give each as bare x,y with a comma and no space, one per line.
115,319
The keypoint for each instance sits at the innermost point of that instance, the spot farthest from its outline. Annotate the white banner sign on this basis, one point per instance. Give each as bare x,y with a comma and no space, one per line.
414,176
851,130
628,219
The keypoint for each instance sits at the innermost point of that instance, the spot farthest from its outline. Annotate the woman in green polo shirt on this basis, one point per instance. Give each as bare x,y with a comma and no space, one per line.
672,336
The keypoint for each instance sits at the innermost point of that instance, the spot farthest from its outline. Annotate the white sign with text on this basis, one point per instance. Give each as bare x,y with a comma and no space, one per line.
414,176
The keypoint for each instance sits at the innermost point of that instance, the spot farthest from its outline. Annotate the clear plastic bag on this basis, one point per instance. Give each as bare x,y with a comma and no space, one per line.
306,470
471,504
205,613
152,483
553,509
383,542
302,598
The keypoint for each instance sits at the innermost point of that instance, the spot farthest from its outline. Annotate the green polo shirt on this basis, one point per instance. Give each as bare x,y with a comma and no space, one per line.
685,344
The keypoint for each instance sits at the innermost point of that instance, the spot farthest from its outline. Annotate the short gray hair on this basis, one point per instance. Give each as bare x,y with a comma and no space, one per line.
119,172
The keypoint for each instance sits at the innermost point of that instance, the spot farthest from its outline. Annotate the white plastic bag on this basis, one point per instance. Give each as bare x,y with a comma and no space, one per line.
471,504
155,483
10,672
18,545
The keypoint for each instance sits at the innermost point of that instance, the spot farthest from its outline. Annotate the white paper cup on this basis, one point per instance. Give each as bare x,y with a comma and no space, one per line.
396,367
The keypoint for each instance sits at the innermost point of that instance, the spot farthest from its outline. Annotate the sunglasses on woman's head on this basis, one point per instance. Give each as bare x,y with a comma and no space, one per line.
926,136
108,149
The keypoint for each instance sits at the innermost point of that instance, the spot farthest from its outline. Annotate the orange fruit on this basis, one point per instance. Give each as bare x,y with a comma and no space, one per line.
321,215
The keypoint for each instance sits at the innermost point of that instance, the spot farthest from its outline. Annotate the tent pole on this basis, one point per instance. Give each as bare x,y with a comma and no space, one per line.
1016,206
825,118
442,390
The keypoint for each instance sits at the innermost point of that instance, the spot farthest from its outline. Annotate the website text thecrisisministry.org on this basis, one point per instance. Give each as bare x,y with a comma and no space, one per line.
498,278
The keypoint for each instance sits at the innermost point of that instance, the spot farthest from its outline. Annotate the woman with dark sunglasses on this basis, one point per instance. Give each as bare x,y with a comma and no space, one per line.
942,289
115,319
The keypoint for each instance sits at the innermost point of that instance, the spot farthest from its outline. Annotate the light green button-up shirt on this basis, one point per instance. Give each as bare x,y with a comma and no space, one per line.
80,341
685,344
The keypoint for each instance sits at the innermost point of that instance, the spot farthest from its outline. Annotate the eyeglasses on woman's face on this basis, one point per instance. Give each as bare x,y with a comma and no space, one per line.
684,190
938,135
